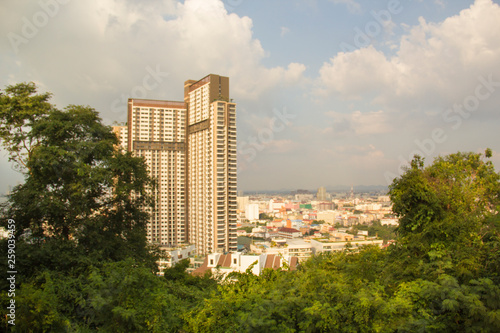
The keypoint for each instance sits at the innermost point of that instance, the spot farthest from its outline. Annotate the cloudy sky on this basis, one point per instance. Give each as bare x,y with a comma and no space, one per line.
329,92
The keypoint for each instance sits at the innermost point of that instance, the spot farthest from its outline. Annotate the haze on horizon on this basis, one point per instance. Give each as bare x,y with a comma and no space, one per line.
334,92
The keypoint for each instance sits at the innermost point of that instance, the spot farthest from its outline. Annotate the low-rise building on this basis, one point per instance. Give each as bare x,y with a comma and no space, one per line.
174,255
291,248
393,221
326,245
223,264
289,233
299,248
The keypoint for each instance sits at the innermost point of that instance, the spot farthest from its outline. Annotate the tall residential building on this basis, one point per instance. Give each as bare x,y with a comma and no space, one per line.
242,203
190,149
321,195
157,131
122,134
211,164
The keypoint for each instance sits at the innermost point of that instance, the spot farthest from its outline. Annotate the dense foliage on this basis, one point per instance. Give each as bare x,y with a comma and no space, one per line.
84,264
376,229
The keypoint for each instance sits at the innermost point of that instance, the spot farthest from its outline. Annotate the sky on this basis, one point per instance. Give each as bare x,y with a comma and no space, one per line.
328,92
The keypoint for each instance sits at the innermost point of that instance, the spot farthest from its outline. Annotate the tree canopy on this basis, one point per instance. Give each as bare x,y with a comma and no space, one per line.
80,193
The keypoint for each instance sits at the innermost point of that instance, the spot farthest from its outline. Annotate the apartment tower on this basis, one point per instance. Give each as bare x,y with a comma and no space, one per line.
190,149
211,164
157,131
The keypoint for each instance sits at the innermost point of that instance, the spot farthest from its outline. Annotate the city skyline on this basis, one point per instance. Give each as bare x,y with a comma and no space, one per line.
329,92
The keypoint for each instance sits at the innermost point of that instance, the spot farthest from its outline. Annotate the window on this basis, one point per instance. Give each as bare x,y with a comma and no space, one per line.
235,261
211,261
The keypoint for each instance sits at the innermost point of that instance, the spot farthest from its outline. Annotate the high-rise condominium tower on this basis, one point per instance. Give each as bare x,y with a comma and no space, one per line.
190,149
157,131
211,164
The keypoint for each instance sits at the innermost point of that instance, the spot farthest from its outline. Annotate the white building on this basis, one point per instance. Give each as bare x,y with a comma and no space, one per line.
252,212
369,206
223,264
328,246
174,255
275,206
292,248
328,216
393,221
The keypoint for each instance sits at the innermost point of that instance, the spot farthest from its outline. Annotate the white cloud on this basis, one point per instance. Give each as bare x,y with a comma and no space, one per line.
104,48
281,146
359,123
284,31
436,64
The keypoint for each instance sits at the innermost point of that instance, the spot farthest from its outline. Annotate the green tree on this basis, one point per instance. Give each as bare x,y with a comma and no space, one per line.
82,202
445,211
20,108
246,229
264,216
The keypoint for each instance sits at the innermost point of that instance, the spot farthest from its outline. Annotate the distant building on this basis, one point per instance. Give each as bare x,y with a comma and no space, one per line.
252,212
304,197
122,134
326,245
301,192
371,206
285,247
242,203
289,233
321,195
327,216
393,221
321,206
275,206
384,198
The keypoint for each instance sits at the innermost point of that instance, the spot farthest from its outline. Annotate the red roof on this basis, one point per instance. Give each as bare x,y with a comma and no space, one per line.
288,230
272,261
293,263
202,269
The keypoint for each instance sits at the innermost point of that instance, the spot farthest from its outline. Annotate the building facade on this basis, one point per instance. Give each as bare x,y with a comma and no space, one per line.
211,165
321,195
252,212
190,150
157,132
